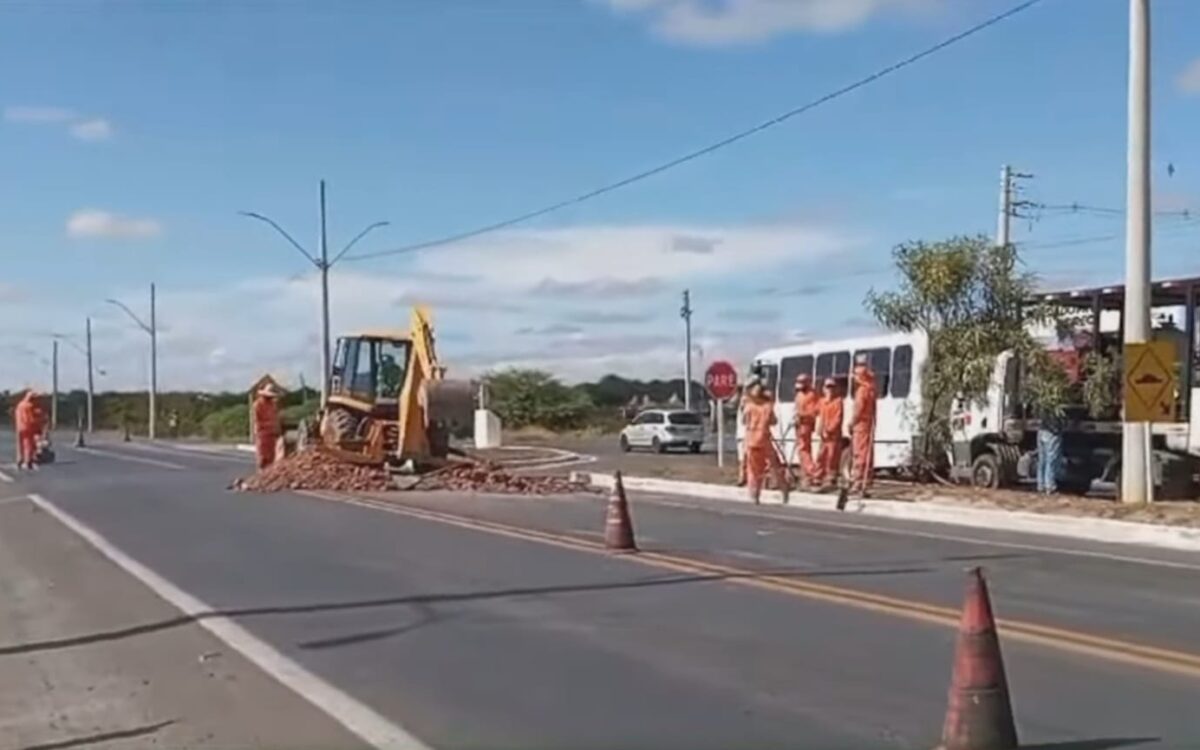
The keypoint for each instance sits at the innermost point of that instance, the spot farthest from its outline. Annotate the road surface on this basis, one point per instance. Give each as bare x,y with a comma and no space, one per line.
458,621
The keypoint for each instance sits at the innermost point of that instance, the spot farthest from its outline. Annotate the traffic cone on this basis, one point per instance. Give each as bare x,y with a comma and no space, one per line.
618,528
979,715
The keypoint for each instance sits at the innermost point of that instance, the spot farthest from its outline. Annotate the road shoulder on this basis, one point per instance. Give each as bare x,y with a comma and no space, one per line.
90,655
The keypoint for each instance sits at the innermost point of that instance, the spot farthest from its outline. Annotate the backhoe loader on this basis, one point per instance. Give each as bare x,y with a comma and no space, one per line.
389,400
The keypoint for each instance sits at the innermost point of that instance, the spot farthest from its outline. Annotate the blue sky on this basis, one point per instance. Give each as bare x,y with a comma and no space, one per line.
134,131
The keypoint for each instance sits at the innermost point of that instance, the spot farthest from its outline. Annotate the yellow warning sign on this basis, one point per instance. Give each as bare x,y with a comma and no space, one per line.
1150,382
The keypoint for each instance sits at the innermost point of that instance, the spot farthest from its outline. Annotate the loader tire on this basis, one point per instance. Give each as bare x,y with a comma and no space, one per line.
339,426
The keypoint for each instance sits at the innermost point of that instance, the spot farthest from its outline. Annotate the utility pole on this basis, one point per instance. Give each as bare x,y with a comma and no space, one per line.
1005,219
153,421
1137,485
1009,205
322,263
324,267
54,386
685,312
91,382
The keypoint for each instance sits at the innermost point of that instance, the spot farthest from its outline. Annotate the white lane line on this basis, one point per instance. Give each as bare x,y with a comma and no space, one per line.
372,727
5,478
800,520
172,450
134,459
13,499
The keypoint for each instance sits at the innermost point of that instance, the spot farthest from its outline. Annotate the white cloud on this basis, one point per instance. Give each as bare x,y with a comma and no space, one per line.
39,115
723,22
224,336
94,129
92,223
1189,78
80,126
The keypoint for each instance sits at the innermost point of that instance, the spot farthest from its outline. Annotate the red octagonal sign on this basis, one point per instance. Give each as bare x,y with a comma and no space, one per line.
721,380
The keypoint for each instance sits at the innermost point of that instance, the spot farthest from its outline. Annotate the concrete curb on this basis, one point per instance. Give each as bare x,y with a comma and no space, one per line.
1090,529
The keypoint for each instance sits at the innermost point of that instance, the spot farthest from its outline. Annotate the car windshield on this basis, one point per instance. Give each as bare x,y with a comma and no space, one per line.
685,418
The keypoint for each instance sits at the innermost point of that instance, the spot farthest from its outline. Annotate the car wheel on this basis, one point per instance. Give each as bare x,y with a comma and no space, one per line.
624,444
657,446
985,471
694,447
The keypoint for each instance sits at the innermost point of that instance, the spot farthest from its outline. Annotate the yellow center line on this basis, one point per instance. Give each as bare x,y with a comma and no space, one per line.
1111,649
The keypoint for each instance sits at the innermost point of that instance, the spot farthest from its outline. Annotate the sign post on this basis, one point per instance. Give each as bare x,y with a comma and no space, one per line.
721,381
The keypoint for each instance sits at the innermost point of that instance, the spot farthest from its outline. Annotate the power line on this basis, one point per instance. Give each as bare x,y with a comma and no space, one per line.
1077,208
706,150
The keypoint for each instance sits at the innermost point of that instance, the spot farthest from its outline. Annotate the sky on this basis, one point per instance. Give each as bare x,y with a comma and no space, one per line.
133,132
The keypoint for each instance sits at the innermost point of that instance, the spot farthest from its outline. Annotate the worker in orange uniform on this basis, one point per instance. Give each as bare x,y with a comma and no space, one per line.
758,415
266,426
30,422
862,427
808,408
829,427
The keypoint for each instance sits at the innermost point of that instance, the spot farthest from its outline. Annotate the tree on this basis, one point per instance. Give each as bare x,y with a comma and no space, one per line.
973,303
533,397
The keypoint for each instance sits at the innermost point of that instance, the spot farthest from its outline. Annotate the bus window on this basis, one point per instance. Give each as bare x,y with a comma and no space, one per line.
880,362
770,375
789,368
902,362
834,365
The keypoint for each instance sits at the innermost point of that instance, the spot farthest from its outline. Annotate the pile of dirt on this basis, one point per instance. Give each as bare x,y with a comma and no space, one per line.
487,477
314,470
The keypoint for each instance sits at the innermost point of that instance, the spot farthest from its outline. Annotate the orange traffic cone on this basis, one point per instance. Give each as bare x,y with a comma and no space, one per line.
618,528
979,715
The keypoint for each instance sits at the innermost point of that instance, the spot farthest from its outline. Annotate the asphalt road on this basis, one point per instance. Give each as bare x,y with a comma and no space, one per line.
464,621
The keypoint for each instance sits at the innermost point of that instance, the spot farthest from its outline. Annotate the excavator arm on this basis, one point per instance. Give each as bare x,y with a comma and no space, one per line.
431,406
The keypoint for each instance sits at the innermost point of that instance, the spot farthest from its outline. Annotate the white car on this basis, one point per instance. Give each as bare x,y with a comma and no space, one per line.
659,429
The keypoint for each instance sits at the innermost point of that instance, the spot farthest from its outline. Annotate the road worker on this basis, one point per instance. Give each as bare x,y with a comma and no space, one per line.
808,408
758,415
829,426
862,427
30,423
266,425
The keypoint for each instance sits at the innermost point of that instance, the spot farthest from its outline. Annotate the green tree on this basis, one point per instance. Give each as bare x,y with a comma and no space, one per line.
533,397
973,302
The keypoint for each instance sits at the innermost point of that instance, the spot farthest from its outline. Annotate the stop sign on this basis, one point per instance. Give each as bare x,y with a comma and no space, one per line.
721,380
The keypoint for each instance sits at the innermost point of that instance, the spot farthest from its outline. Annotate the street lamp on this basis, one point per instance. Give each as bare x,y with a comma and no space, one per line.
152,331
322,264
91,369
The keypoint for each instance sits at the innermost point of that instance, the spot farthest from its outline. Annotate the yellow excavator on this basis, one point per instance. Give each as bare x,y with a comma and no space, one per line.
390,401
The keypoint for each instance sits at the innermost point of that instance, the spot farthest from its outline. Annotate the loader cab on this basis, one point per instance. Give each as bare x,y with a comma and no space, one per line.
369,369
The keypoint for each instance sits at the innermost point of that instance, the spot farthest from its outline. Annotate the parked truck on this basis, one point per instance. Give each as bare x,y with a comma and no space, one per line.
994,442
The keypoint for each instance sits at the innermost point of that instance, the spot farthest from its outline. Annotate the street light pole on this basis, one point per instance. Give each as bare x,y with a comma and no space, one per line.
152,331
322,263
153,364
91,381
1136,485
685,312
324,267
54,386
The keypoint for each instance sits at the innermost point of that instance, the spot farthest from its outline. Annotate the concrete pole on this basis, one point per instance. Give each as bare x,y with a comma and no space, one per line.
324,266
1136,486
153,421
91,381
1004,221
686,313
54,385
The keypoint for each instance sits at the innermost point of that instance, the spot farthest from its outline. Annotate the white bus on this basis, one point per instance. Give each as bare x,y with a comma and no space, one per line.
896,359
